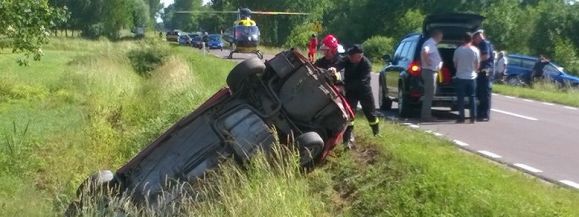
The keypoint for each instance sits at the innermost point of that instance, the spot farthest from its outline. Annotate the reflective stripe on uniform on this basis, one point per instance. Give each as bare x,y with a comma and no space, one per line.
350,124
377,121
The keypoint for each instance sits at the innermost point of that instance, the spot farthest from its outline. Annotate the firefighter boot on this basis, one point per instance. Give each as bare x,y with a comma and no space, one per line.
348,138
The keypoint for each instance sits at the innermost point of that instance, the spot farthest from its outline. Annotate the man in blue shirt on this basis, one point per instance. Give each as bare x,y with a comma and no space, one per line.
485,73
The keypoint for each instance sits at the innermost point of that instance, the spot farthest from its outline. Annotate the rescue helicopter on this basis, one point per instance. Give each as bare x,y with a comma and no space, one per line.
244,34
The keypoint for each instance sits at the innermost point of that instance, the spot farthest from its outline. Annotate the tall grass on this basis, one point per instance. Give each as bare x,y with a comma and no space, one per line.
542,91
87,110
269,185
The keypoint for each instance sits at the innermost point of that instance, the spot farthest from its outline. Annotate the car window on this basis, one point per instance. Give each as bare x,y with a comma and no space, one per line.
411,50
550,70
405,51
515,62
398,52
528,64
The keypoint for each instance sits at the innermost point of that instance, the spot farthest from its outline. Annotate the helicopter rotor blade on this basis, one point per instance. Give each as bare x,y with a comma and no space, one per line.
206,12
278,13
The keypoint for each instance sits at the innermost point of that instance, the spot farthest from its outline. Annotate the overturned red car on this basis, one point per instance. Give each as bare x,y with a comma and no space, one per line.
264,104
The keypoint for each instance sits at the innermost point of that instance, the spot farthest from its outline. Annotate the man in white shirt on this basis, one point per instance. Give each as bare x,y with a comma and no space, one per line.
501,66
431,64
467,62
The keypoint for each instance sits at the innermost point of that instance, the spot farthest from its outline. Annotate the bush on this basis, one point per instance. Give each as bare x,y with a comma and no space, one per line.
93,31
300,36
146,59
565,55
377,46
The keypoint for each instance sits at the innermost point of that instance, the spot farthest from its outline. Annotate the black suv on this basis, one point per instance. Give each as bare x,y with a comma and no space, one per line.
403,72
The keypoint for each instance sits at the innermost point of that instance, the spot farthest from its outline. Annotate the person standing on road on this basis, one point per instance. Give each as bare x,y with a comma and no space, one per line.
312,48
466,61
431,64
501,67
357,75
484,83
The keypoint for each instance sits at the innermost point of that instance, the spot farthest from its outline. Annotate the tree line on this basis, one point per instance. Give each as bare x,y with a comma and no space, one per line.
533,27
96,18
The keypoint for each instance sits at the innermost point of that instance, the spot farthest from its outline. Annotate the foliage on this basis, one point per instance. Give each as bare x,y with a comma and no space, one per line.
377,46
147,58
26,24
300,36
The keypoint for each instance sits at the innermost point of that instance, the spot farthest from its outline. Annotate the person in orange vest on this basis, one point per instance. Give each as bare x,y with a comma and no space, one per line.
312,48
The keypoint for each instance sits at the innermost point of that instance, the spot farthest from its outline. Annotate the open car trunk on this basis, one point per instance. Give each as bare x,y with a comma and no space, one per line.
453,27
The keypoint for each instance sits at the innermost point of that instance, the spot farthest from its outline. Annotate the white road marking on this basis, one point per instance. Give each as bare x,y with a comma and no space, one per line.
460,143
438,134
570,183
510,97
572,108
528,168
528,100
549,104
490,154
414,126
515,115
494,94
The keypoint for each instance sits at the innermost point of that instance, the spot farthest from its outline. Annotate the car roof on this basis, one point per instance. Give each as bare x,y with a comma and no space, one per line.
520,56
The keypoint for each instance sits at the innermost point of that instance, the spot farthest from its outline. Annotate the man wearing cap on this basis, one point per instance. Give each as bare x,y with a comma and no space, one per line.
357,74
486,71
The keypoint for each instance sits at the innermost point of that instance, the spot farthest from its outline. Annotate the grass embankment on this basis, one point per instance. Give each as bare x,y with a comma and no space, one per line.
542,91
84,108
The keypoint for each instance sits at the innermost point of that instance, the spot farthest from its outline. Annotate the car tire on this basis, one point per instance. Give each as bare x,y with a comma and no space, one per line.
310,146
384,101
243,71
97,187
404,110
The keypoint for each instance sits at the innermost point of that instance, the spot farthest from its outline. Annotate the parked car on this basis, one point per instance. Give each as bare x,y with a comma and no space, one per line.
173,35
520,67
184,40
265,103
403,68
197,42
214,41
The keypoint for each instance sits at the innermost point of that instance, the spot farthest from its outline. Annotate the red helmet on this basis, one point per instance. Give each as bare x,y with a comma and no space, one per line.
331,42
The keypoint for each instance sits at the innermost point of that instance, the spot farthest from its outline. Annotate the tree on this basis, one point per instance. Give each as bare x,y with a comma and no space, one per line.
27,24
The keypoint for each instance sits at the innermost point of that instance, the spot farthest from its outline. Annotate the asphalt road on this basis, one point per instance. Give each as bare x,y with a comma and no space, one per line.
538,138
237,56
541,139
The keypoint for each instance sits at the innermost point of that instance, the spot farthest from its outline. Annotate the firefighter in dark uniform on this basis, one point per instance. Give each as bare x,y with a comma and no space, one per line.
357,75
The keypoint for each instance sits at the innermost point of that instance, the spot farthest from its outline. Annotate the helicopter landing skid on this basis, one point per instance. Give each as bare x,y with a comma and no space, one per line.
256,52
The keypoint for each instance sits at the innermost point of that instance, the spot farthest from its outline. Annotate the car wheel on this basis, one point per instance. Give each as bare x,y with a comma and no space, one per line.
384,101
96,189
310,146
404,110
243,71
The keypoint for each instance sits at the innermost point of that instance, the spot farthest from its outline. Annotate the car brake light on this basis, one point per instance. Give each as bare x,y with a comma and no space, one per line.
415,69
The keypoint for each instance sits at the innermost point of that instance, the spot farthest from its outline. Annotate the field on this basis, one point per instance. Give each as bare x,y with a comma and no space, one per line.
90,105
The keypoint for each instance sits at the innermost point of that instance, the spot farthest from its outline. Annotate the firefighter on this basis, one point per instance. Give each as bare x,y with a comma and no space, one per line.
330,49
357,74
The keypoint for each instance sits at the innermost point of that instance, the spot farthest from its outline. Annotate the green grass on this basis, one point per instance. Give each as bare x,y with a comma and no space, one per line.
84,108
410,173
543,92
